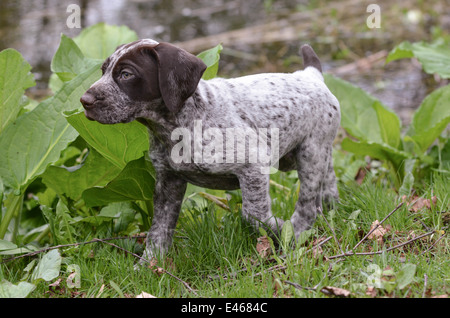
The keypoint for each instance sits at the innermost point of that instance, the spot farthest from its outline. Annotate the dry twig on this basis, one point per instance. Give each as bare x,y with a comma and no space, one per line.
71,245
370,232
351,253
432,245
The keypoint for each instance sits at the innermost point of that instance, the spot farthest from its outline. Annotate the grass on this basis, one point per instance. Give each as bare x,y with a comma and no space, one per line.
215,253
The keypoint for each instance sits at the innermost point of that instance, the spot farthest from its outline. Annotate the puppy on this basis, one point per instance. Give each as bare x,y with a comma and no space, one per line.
221,133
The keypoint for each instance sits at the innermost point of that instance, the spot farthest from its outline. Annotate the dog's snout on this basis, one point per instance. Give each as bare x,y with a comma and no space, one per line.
87,100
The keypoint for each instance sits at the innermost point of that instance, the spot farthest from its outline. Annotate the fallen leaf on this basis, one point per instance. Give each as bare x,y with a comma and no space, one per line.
263,246
317,249
75,294
145,295
160,270
416,203
56,283
335,291
56,288
359,178
153,262
378,233
318,241
371,291
140,238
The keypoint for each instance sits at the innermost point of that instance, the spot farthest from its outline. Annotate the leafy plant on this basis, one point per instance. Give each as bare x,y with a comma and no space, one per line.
378,129
46,269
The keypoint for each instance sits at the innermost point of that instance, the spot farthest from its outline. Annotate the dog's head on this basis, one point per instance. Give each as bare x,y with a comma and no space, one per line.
139,75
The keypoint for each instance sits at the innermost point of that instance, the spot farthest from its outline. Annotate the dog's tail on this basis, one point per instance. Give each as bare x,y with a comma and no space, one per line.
310,58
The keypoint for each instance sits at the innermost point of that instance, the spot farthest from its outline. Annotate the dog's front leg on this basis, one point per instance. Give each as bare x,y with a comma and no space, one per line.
167,200
256,203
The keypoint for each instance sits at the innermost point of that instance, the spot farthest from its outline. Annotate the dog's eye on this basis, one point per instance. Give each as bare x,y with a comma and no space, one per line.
125,75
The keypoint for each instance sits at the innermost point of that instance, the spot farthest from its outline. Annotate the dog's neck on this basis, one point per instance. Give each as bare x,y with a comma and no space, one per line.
161,122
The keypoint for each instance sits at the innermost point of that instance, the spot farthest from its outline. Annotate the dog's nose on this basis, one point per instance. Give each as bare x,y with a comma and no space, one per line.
87,100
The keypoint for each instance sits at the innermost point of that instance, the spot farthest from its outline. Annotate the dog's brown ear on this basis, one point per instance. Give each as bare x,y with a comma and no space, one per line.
178,74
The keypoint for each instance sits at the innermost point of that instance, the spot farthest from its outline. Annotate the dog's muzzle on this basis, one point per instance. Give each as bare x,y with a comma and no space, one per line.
88,101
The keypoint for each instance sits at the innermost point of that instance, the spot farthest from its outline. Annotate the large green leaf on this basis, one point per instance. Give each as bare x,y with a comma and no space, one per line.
101,40
389,124
430,119
367,119
363,116
37,138
95,171
92,45
376,150
48,267
435,57
15,78
135,183
119,143
69,61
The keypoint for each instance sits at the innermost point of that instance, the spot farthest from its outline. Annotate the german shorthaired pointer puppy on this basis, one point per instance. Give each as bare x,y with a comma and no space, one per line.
195,124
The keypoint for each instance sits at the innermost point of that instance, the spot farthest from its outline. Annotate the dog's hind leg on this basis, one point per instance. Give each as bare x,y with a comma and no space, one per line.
312,168
330,193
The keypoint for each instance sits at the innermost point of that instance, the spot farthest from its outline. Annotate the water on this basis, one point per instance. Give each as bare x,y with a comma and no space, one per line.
258,35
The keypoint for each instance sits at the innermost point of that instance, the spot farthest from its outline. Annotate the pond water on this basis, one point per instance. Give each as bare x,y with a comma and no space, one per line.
257,35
